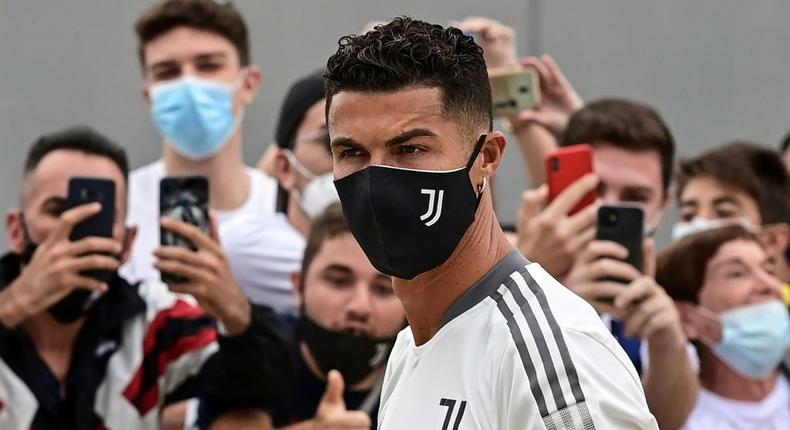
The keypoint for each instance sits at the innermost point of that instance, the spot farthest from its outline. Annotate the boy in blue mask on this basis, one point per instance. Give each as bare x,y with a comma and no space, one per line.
197,82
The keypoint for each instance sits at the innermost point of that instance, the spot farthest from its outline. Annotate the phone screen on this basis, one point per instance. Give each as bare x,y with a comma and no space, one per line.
184,198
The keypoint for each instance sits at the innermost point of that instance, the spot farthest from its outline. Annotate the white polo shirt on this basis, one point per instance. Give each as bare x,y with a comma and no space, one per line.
517,351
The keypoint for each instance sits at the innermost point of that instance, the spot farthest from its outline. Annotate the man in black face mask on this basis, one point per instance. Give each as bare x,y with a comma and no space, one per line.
80,352
348,322
494,341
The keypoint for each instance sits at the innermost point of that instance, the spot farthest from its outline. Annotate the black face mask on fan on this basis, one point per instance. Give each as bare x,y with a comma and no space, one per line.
409,221
355,357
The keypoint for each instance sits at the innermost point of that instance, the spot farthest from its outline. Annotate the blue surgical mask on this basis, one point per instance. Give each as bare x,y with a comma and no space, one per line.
755,338
194,115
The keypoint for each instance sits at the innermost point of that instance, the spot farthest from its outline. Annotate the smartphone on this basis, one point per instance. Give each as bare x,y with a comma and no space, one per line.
564,166
84,190
513,90
623,224
184,198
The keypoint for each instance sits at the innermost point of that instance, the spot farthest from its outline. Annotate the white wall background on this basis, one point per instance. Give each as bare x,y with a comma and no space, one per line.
716,70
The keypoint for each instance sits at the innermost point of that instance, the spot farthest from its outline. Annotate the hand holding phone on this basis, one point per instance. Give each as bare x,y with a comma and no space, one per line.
191,260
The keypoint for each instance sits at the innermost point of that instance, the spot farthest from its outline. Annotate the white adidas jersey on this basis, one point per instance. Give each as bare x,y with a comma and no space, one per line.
517,351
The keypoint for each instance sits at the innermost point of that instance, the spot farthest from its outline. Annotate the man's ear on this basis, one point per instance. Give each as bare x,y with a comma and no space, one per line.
296,280
15,231
128,243
145,91
283,171
250,84
492,153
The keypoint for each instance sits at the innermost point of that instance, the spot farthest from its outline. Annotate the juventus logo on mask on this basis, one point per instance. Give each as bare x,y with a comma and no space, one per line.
432,201
385,209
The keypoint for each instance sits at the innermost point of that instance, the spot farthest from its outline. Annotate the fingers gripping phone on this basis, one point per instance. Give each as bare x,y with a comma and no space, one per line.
513,90
564,166
184,198
85,190
623,224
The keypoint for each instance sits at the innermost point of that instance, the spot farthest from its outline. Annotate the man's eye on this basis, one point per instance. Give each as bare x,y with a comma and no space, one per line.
408,149
348,153
337,281
725,213
734,274
166,74
209,67
687,216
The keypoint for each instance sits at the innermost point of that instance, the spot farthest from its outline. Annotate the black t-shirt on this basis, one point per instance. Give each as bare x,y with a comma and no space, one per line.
301,403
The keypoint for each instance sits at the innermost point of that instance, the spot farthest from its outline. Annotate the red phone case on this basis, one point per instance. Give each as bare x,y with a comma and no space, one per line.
565,166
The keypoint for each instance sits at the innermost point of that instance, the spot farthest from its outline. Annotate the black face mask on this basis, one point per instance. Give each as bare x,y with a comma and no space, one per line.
409,221
355,357
76,304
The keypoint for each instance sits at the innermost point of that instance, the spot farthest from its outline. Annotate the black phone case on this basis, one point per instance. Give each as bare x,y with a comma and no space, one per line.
84,190
184,198
623,225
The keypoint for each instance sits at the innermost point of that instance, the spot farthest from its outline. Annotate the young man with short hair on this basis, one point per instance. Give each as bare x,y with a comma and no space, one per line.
79,352
198,80
347,325
493,341
738,181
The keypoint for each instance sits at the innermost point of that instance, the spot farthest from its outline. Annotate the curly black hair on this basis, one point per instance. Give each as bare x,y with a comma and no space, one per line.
407,52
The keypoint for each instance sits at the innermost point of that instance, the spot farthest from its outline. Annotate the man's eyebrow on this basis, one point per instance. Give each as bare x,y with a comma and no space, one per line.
211,55
58,200
346,142
163,64
688,202
335,267
409,135
638,189
726,199
202,57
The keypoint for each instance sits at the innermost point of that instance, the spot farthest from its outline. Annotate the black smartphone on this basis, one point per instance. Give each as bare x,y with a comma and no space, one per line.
623,224
184,198
84,190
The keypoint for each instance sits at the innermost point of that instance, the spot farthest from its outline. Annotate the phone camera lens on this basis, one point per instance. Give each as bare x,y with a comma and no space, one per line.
512,103
612,218
523,90
555,164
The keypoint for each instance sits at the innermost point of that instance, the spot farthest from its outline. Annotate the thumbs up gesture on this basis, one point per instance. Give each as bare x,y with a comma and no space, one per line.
332,413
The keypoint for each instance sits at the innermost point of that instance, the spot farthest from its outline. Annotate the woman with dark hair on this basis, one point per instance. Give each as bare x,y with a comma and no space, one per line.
731,306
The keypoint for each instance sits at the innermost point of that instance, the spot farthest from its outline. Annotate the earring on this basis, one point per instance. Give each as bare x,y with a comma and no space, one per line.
482,187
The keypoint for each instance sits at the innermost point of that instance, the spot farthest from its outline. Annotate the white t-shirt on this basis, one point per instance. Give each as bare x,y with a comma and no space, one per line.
144,213
517,351
713,412
263,253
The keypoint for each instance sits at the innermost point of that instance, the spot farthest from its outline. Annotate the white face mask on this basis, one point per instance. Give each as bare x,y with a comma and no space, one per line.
698,225
319,192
